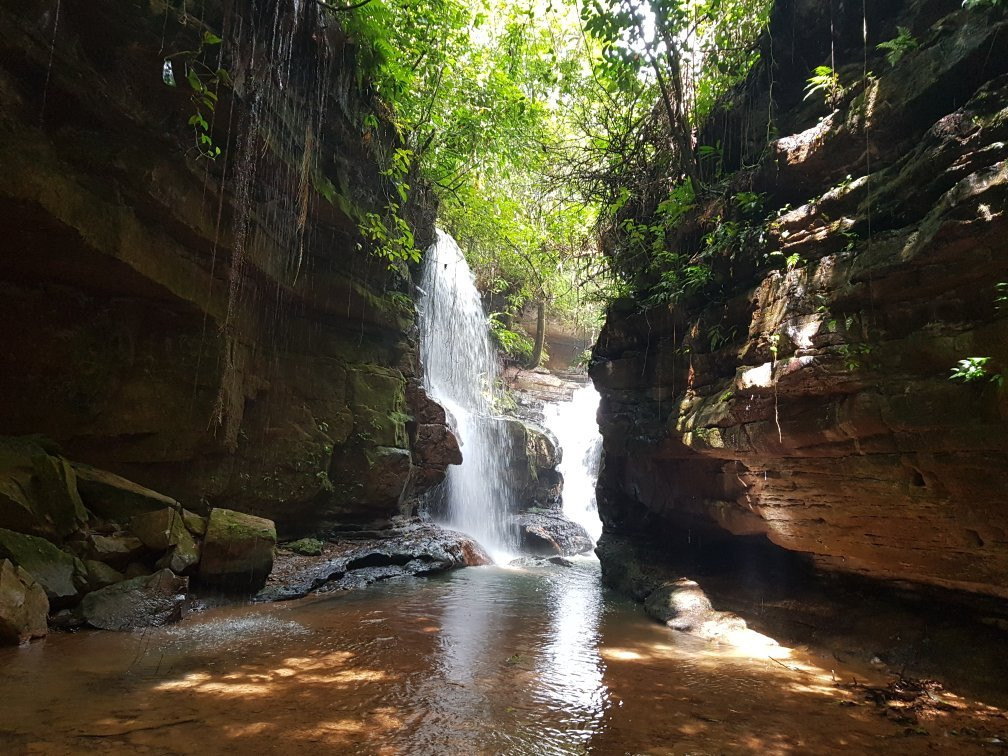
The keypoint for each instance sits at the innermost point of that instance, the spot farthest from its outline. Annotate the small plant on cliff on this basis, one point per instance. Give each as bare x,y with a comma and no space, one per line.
971,369
899,45
204,80
825,81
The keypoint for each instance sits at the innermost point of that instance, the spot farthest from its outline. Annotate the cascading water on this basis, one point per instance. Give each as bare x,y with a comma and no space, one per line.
576,430
460,366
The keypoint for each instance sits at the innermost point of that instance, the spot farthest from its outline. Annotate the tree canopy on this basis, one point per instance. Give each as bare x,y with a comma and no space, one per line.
537,123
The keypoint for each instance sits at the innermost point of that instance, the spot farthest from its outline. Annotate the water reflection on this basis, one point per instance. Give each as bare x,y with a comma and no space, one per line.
485,660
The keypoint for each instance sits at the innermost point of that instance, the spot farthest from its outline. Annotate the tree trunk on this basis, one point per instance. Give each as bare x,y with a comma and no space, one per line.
540,336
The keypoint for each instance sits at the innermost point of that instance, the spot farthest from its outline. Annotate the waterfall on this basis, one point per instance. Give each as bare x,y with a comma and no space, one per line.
460,372
574,425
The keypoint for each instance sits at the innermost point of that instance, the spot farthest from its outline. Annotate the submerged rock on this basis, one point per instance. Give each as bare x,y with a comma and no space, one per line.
550,533
62,575
146,601
23,605
237,551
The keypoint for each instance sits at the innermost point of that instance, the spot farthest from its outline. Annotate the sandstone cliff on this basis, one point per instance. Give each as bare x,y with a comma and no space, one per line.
810,401
209,327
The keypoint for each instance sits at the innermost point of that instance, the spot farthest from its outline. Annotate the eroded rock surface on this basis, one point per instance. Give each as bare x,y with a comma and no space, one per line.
812,405
417,548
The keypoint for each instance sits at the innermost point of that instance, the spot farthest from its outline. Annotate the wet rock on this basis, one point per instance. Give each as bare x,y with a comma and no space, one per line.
62,575
38,491
534,458
237,551
165,530
550,533
682,605
115,550
23,605
115,498
146,601
100,574
412,550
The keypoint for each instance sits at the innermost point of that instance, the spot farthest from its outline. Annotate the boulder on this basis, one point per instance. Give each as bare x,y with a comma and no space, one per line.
145,601
100,574
165,530
23,605
237,551
194,522
38,491
62,575
114,550
551,534
681,605
115,498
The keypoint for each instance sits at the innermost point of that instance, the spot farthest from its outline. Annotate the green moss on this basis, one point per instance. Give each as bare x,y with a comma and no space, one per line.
305,546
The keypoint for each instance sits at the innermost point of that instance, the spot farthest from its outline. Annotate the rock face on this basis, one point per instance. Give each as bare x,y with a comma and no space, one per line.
813,405
23,605
208,328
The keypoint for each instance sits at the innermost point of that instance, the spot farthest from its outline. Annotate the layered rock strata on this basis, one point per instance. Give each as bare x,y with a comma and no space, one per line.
214,327
810,402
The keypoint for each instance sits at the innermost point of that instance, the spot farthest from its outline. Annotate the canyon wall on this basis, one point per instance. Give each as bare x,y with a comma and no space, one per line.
211,326
809,399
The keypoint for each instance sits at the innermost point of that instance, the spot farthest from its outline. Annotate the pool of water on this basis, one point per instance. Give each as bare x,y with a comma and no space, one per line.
482,660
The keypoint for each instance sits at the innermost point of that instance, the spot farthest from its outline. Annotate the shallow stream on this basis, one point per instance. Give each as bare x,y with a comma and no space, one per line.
540,660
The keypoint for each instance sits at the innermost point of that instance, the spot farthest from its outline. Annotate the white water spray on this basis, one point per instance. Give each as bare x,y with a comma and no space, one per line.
460,366
574,425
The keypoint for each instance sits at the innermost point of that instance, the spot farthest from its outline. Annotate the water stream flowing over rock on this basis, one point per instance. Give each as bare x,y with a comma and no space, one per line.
461,373
574,425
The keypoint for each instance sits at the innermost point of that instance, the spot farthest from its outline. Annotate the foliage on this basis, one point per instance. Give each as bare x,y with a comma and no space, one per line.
824,81
899,45
204,77
971,369
514,342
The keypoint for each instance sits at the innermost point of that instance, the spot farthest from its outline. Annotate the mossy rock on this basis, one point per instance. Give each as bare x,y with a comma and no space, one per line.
305,546
237,551
115,498
38,491
62,575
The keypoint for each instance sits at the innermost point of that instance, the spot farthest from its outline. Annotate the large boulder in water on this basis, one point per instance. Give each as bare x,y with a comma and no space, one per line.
237,551
534,459
23,605
62,575
551,534
38,490
146,601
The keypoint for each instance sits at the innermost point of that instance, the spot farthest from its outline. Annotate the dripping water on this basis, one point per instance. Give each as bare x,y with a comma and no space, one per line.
460,366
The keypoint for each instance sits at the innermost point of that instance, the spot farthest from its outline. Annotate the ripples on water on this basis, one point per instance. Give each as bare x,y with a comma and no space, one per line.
483,660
